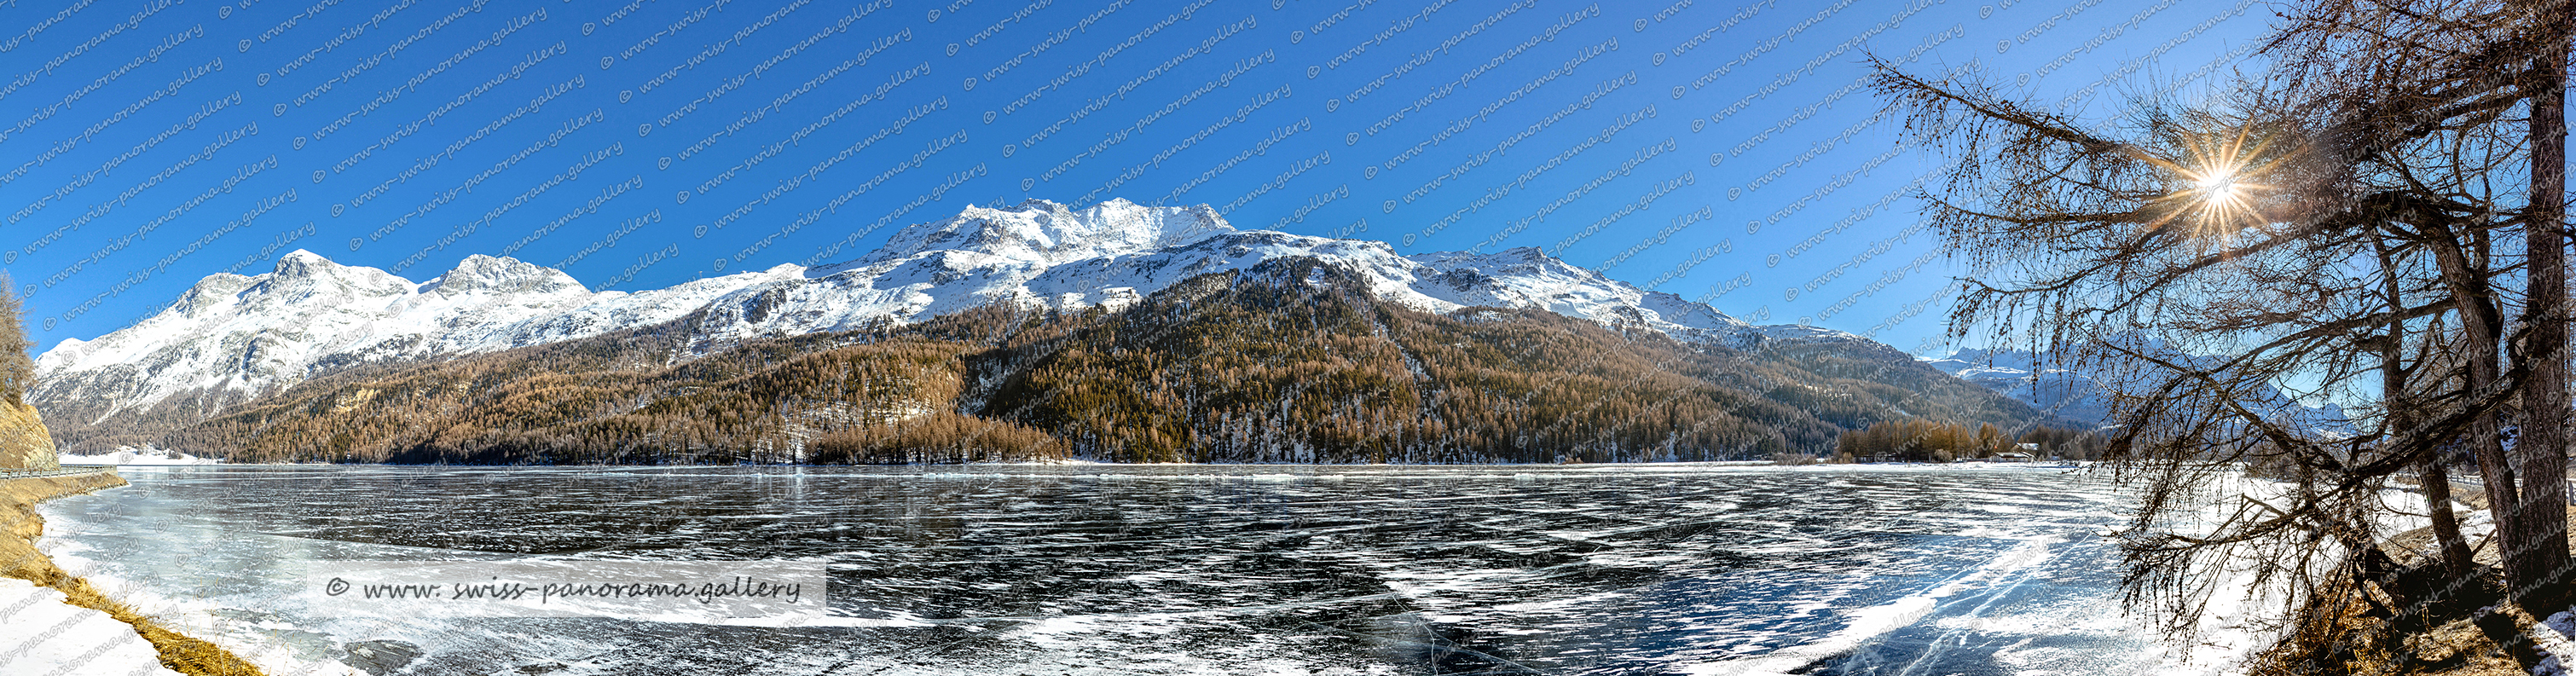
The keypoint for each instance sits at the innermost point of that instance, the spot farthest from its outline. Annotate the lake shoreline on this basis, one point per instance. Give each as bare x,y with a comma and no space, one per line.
20,496
2070,465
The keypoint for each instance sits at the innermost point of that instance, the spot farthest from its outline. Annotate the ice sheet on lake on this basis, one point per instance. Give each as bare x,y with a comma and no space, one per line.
1181,569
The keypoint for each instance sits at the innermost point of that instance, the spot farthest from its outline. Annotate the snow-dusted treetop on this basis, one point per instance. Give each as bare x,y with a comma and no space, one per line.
244,335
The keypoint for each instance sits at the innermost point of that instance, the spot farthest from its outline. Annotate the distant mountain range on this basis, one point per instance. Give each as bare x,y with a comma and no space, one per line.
235,343
2041,381
2018,374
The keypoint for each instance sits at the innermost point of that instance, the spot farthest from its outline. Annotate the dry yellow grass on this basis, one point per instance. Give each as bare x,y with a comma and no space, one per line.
2357,643
18,498
2343,637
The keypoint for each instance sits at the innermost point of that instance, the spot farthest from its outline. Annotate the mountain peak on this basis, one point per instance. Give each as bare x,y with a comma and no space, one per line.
315,314
302,263
1528,277
214,290
1046,232
479,272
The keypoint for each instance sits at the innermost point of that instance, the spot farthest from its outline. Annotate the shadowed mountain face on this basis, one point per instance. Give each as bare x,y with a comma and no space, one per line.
1289,360
1296,361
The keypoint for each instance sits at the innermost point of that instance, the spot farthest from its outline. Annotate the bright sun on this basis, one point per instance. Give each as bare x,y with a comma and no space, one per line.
2220,199
2218,185
2219,192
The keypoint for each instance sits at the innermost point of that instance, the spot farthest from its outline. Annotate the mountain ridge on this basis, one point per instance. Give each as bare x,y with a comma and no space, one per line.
233,336
2057,385
1298,360
233,340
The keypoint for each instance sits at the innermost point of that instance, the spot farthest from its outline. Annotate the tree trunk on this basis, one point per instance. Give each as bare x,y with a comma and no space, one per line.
2536,559
2433,470
2479,324
2446,526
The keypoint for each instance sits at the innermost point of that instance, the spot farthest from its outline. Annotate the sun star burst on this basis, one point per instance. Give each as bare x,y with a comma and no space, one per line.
2219,197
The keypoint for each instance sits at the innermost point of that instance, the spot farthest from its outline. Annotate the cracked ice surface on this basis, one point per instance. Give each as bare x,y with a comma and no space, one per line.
1095,569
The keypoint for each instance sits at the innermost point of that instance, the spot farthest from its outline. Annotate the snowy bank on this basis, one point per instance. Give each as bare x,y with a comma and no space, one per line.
67,626
129,455
68,639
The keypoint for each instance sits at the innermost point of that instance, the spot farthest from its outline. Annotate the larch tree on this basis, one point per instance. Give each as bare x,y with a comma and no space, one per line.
2478,88
2340,227
17,368
2542,570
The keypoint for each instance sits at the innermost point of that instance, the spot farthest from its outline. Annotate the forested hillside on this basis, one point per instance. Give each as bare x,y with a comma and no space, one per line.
1293,360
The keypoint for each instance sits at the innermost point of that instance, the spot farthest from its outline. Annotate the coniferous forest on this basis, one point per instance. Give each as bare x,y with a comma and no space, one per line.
1293,361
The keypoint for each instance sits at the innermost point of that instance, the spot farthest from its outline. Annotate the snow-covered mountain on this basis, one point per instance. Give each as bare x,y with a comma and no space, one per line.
2076,394
2018,374
1043,254
232,337
237,335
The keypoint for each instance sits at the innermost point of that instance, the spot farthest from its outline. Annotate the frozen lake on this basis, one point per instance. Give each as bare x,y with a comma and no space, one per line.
1095,569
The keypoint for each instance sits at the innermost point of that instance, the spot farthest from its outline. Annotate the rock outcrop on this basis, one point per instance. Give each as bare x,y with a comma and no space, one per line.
24,442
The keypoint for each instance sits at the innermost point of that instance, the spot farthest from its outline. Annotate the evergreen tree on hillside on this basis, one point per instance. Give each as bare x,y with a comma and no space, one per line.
17,370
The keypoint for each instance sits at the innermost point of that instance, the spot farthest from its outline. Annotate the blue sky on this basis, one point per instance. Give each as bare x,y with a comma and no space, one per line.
1723,151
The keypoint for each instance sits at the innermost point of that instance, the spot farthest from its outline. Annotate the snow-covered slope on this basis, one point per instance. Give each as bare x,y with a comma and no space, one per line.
2017,373
1041,254
237,334
2076,394
245,335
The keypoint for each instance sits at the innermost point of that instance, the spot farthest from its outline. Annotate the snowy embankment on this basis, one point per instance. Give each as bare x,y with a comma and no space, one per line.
2240,617
2229,630
41,632
129,455
2552,637
56,637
